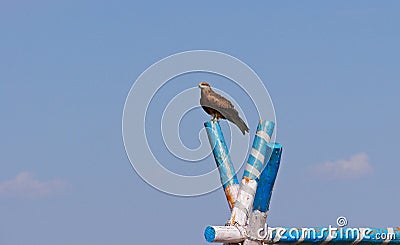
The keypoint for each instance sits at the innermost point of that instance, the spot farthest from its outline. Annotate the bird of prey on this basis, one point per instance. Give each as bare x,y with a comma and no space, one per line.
219,107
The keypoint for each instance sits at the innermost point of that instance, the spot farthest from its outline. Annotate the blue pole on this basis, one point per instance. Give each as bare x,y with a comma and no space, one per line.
263,195
227,172
267,178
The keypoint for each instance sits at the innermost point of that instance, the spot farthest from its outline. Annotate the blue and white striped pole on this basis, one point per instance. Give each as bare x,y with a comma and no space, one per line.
263,195
223,160
255,163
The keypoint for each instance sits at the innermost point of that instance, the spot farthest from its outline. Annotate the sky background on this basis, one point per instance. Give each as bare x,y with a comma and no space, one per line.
66,67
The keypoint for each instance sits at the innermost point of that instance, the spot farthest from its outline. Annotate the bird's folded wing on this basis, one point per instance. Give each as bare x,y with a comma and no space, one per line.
218,101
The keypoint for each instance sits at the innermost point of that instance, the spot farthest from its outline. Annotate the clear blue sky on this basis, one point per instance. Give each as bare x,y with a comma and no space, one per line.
332,69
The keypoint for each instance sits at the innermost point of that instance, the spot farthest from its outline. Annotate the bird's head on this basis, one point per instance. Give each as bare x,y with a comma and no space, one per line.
204,85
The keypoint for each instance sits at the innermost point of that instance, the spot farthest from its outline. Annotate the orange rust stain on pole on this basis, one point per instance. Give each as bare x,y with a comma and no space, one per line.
229,196
247,179
233,219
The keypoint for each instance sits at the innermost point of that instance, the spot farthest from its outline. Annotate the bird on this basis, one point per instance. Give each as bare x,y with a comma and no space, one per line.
219,107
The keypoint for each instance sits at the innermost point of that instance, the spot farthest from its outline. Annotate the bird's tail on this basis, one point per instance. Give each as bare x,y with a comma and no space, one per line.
241,124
